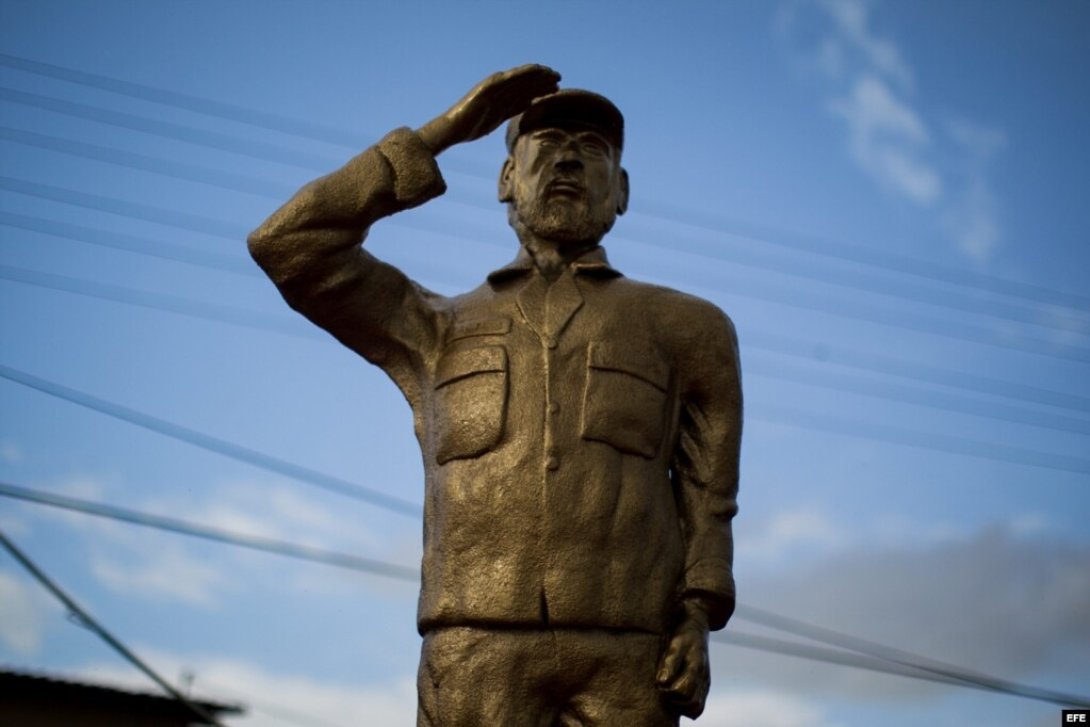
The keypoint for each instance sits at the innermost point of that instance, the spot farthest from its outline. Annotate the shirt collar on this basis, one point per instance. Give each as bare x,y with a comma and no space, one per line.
593,262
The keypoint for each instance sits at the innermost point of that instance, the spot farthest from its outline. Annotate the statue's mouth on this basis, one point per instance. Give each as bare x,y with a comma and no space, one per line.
565,187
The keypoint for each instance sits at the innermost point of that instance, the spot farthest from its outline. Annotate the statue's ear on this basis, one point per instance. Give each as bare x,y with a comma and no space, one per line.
506,187
622,192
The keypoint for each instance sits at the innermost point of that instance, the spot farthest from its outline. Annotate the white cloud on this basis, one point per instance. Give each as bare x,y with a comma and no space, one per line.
273,699
1005,600
982,141
23,620
868,84
161,572
885,136
786,532
875,111
277,699
972,217
264,509
83,486
1030,523
761,708
851,19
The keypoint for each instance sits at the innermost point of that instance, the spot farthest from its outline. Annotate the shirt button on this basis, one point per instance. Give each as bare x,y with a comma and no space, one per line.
553,407
552,463
551,343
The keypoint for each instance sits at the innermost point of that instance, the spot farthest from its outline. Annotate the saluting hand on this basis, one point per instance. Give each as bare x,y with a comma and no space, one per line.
488,104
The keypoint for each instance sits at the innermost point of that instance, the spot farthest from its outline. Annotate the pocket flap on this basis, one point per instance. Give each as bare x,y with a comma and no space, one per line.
639,361
460,364
497,326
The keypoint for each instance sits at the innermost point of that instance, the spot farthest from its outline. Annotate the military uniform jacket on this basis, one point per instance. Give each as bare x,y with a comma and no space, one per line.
580,437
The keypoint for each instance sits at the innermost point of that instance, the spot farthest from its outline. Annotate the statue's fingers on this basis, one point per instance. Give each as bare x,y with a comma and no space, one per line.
534,71
687,694
531,81
682,688
670,667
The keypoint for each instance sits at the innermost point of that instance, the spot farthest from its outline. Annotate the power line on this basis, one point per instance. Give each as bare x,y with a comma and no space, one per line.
249,185
223,142
901,657
149,213
276,324
795,348
745,640
237,452
862,654
965,332
87,620
870,257
206,532
199,104
910,321
146,162
795,298
158,301
778,415
716,223
129,243
926,440
905,369
853,384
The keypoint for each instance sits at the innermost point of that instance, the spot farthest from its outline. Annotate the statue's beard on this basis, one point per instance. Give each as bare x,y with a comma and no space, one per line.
563,220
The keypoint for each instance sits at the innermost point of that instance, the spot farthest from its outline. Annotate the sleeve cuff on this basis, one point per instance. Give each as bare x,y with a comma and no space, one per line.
713,582
416,175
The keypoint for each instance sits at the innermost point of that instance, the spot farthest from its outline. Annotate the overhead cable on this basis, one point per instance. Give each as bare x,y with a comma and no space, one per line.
241,183
209,107
159,301
237,452
901,657
762,340
966,332
224,142
902,367
778,415
820,378
733,637
84,618
851,651
206,532
915,395
893,434
892,262
219,262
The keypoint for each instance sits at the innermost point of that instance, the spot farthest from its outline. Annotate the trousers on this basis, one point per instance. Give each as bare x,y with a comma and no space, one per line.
484,677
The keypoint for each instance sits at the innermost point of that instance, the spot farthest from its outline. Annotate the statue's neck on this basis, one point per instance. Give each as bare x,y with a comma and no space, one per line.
551,258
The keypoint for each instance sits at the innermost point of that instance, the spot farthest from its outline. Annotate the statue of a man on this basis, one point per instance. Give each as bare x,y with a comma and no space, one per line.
580,430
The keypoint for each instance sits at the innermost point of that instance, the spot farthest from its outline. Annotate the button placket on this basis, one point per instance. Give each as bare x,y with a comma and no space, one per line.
552,408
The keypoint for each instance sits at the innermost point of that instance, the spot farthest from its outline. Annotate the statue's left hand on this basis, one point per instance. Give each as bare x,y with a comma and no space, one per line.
684,675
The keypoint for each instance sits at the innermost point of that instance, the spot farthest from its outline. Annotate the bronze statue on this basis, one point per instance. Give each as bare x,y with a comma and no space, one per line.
580,430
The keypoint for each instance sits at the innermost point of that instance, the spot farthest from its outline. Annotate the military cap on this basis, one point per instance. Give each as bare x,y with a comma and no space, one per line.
570,106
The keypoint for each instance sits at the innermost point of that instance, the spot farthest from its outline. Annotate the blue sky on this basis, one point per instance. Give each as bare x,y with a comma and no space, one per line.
887,198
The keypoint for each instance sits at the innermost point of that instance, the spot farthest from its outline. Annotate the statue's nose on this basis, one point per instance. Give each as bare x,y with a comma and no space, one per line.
569,158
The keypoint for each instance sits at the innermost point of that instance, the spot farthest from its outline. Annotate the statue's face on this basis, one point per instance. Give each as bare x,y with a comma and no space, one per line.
567,184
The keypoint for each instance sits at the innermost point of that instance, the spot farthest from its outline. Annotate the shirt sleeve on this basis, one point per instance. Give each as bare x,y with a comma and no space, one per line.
311,249
706,463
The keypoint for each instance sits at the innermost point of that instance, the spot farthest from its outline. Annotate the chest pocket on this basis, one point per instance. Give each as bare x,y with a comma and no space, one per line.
470,402
624,402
